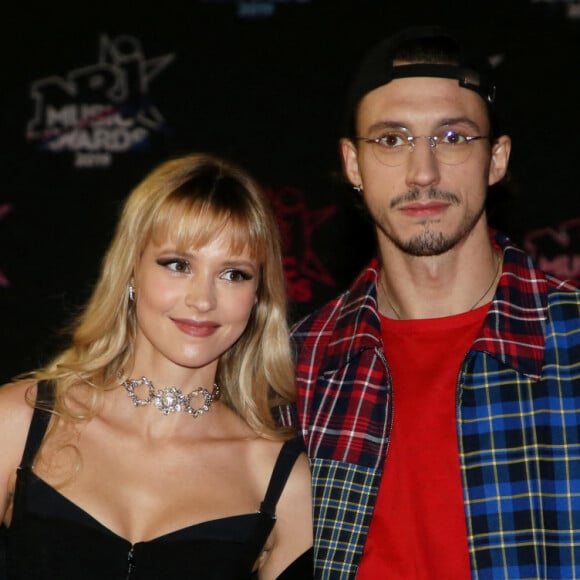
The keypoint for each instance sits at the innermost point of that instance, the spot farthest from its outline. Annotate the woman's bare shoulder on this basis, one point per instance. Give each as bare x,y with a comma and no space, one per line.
16,405
298,487
296,495
15,417
265,453
292,535
18,392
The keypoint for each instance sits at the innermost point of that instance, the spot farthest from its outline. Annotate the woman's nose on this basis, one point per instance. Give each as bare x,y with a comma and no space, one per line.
201,294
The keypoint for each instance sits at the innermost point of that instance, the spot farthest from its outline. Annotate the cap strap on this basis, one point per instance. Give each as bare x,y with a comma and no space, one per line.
468,78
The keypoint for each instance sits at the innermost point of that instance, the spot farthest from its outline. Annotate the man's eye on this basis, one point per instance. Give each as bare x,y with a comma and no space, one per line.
452,138
391,140
175,264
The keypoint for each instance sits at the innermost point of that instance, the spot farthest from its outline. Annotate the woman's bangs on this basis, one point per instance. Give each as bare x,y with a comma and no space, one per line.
192,224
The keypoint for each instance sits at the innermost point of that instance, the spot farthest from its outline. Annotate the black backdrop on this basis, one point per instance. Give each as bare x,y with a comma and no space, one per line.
93,96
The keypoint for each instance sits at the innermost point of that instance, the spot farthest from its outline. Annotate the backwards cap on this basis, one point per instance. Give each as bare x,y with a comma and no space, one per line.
378,68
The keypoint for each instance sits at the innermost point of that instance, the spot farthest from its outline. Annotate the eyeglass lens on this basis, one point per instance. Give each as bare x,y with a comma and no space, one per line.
450,147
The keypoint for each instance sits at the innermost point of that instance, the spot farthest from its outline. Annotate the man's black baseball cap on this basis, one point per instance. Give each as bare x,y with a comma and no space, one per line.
386,62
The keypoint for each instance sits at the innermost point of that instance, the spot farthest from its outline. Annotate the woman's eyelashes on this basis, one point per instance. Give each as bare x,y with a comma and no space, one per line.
179,265
182,266
236,275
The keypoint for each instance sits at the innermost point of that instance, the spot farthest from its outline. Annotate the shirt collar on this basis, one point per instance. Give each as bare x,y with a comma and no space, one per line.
513,331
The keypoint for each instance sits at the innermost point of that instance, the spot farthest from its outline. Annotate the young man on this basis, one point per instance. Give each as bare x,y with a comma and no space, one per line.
439,397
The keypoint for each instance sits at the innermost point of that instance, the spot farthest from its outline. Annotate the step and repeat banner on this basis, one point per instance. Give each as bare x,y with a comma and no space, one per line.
93,97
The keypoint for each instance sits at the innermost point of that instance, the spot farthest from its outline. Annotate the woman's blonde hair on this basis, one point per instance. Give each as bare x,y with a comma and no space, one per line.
191,199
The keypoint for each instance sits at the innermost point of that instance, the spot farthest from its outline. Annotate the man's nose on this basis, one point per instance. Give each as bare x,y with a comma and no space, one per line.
422,163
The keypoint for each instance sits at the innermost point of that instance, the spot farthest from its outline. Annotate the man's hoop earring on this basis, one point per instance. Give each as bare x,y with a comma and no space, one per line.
131,292
357,188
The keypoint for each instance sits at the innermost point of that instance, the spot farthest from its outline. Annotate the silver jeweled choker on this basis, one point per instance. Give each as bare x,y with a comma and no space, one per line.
171,399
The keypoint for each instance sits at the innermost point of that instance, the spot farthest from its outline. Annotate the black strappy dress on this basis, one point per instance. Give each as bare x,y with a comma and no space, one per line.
52,538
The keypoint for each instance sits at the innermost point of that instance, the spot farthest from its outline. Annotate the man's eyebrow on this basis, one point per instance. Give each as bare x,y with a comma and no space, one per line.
386,124
459,121
444,122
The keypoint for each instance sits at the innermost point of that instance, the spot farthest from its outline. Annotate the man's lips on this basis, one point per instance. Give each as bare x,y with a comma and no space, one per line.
196,328
424,210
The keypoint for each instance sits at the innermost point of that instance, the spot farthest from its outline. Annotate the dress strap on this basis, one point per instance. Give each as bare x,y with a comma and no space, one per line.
284,464
39,423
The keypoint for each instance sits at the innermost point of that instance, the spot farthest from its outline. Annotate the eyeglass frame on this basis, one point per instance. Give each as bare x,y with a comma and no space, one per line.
431,138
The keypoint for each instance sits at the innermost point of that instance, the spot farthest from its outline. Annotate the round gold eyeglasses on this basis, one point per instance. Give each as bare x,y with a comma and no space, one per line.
449,146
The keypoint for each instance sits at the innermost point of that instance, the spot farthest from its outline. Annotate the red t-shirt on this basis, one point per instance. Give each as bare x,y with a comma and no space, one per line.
418,528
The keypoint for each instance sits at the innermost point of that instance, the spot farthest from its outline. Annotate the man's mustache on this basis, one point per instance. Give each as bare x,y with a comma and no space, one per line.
431,193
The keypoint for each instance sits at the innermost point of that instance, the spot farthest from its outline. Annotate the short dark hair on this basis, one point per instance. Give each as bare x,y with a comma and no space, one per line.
422,51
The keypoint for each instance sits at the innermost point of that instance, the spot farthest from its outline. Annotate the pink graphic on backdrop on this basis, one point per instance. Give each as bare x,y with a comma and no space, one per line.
557,249
298,224
5,209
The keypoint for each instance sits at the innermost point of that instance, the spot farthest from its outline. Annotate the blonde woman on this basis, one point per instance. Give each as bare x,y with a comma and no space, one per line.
149,448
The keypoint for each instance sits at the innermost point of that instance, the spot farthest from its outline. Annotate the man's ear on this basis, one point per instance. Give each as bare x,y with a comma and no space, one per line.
349,154
500,156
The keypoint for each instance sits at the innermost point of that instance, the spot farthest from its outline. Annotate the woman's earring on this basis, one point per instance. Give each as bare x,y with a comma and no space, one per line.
131,292
357,188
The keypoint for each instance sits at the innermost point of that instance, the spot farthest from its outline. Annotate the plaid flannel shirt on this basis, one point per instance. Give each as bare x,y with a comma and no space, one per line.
518,423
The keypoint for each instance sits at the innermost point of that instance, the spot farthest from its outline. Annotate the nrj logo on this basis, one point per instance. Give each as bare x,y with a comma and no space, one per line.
101,109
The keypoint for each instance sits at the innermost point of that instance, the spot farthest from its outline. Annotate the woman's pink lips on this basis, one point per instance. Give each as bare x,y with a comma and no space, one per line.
423,210
193,328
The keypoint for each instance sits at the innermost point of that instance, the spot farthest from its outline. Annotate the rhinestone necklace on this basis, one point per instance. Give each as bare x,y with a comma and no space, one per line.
171,399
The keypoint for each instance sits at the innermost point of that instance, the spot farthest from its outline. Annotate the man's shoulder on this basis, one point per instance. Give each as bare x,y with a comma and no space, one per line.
556,284
563,302
342,325
324,318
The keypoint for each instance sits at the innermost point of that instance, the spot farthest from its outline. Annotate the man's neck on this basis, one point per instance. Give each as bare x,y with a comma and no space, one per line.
462,279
